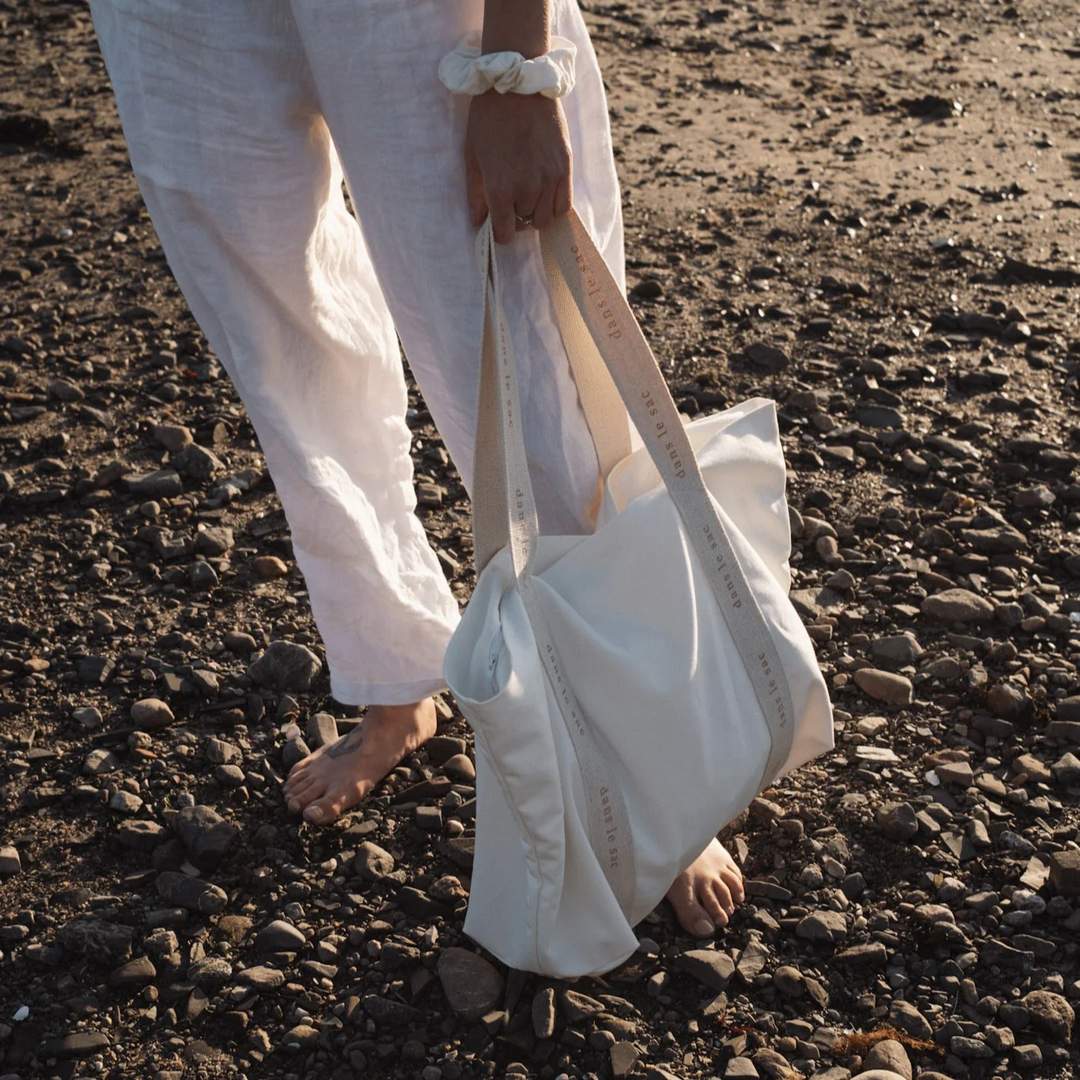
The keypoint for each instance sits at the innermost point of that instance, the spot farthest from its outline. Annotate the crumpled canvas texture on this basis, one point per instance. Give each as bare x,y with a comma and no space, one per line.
657,673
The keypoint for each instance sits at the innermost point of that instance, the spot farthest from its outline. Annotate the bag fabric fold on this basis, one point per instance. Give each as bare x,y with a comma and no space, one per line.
631,690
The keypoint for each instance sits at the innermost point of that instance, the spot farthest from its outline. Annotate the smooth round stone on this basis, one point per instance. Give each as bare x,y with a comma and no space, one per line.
279,936
150,714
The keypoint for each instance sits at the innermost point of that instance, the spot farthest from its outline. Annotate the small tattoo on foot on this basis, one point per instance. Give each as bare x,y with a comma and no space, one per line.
348,745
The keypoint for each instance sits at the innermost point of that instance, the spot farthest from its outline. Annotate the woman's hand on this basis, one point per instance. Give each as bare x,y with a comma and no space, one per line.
517,161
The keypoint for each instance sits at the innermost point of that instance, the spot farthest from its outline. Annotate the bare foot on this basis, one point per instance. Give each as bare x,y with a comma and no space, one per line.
706,893
340,774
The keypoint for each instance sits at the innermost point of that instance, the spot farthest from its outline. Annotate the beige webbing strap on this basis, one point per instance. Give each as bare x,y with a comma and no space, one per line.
608,820
601,402
628,358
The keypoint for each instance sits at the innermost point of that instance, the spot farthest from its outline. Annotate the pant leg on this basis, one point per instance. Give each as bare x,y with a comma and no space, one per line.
242,182
401,136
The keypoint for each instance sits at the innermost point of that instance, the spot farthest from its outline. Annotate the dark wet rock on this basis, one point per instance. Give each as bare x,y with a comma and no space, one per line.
300,1037
768,357
472,986
294,751
888,1055
709,966
884,686
958,605
137,972
899,649
141,835
161,484
543,1013
578,1007
1065,872
174,437
906,1017
386,1012
96,670
79,1045
107,943
967,1048
213,541
879,416
897,821
1007,701
1067,710
825,926
261,978
10,863
372,862
279,936
190,893
285,665
1050,1013
197,462
206,835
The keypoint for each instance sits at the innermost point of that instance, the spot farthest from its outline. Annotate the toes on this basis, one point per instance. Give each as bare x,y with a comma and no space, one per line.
695,919
717,899
302,794
323,811
734,884
297,772
714,904
731,876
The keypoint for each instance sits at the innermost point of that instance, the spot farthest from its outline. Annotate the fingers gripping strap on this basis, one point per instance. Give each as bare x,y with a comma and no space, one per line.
624,350
607,817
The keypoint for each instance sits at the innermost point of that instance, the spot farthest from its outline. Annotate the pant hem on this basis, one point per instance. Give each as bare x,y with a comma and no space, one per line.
349,692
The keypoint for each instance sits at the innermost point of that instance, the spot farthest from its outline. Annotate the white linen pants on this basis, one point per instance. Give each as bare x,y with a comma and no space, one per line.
242,117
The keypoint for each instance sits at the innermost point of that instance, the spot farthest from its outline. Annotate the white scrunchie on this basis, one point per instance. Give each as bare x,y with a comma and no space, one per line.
465,71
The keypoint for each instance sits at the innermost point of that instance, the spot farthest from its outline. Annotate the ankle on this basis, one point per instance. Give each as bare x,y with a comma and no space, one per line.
419,714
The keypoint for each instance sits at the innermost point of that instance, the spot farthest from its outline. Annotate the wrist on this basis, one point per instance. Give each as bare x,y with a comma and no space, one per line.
520,26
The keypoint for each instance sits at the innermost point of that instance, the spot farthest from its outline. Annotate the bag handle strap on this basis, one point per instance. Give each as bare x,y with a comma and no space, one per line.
605,413
504,508
571,257
499,442
641,385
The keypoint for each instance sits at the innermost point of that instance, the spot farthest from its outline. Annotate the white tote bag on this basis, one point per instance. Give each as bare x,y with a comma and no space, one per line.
631,690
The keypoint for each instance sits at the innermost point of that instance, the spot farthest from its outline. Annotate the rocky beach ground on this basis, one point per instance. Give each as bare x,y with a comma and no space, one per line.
869,212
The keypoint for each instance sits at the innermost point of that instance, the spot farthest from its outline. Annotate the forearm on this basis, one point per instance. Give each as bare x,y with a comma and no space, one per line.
517,26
